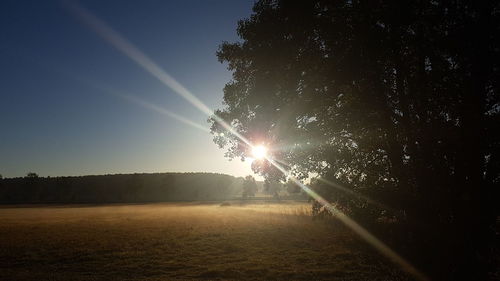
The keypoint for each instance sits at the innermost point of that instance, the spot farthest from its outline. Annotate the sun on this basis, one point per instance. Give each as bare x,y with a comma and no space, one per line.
259,152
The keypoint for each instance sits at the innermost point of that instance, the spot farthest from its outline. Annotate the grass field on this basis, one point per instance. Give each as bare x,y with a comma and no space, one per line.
182,241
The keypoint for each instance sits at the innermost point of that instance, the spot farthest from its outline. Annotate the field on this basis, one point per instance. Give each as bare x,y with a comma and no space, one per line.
182,241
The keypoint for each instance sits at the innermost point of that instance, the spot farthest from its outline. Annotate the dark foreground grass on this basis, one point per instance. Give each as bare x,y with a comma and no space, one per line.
181,241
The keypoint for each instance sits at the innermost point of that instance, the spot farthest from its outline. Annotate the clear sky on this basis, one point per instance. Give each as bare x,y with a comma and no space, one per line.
61,110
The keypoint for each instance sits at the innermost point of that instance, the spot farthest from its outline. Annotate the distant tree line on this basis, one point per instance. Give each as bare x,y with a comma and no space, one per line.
122,188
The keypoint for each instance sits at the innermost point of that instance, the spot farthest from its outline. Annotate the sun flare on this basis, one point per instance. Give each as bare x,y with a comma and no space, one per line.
259,152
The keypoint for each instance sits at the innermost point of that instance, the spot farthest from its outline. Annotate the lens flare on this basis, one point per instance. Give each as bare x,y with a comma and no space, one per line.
136,55
259,152
138,101
358,229
116,40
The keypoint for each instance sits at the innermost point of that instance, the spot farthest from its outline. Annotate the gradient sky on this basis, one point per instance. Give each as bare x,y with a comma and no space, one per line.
55,116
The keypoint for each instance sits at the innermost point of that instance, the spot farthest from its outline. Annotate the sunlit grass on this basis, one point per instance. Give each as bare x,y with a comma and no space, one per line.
181,241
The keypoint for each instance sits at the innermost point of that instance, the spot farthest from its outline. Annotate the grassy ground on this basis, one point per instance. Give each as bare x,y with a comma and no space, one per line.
181,241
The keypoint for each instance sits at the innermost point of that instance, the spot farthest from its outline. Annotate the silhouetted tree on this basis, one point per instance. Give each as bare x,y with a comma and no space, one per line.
249,186
396,100
31,175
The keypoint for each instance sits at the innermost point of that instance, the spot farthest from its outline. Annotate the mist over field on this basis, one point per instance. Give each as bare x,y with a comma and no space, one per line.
250,140
182,241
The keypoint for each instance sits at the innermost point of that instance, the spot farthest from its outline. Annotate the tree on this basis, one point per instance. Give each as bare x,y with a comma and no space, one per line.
249,187
292,187
273,187
31,175
399,107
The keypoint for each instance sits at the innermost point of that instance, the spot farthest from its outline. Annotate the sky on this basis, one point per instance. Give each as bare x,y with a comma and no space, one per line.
71,103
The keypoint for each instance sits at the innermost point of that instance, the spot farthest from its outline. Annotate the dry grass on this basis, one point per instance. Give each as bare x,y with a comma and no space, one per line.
181,241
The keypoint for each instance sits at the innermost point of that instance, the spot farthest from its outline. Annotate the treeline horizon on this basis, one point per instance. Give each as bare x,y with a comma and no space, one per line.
34,174
120,188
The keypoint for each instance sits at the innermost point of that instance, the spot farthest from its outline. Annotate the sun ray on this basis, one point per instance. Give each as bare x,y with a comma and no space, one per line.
132,52
138,101
358,229
116,40
164,111
354,193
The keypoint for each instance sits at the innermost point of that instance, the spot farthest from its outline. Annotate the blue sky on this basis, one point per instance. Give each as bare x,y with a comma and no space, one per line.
55,117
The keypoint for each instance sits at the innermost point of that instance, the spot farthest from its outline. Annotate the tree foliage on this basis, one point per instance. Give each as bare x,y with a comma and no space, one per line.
249,187
292,187
273,187
397,101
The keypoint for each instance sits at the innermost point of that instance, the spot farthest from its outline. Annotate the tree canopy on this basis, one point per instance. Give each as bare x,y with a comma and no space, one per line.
395,100
249,187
